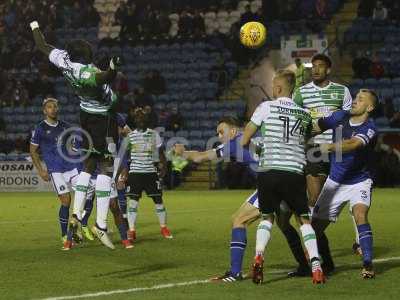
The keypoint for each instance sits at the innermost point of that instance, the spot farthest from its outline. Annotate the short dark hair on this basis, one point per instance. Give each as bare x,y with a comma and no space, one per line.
80,51
374,96
231,121
323,57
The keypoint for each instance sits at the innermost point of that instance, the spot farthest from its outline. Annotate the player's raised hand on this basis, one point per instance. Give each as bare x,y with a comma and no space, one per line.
115,62
44,175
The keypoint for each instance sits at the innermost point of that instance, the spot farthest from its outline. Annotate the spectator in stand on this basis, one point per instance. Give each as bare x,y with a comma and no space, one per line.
90,16
175,121
120,85
163,24
19,95
185,24
247,16
380,12
6,93
321,9
365,8
130,25
391,165
154,83
77,15
40,86
259,16
394,12
377,69
395,120
362,66
199,27
121,13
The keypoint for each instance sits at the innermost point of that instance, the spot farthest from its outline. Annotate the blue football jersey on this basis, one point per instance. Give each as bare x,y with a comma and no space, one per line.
236,152
353,167
51,140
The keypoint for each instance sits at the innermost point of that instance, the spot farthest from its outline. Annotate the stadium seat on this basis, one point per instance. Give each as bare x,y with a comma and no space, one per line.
182,133
195,134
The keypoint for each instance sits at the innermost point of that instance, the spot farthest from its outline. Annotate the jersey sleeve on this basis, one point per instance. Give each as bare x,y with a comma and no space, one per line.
121,121
297,97
158,139
330,122
348,100
219,150
36,135
60,59
260,114
366,133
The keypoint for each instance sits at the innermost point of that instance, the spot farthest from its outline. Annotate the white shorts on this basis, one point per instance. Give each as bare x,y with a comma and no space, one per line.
64,182
334,197
253,200
92,188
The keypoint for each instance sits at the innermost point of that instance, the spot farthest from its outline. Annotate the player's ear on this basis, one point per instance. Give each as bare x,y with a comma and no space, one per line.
328,71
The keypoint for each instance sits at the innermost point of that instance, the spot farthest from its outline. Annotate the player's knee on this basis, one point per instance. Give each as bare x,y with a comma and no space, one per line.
114,206
360,213
65,199
238,221
157,199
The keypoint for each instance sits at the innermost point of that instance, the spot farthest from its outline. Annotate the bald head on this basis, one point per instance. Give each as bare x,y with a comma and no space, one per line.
283,83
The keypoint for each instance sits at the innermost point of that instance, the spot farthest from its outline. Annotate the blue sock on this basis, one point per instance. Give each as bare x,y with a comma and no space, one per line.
88,211
123,231
63,216
238,245
365,233
122,202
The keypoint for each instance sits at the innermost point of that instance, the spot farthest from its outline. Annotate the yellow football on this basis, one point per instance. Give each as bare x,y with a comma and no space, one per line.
253,34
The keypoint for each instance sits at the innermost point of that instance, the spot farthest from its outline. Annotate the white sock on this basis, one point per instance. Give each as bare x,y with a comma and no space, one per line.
103,189
131,209
80,193
355,229
310,240
311,210
162,214
263,236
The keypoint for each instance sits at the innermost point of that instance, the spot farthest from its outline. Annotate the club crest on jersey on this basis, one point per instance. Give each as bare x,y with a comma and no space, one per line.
48,131
334,96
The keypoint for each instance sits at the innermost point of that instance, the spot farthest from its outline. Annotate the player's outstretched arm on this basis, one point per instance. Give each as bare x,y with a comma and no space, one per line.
38,37
248,133
195,156
33,149
107,77
344,146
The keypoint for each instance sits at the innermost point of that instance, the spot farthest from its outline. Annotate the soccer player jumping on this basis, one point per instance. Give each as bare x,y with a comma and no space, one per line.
285,127
97,119
349,178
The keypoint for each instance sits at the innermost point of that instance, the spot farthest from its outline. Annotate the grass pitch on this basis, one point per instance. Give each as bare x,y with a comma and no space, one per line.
33,267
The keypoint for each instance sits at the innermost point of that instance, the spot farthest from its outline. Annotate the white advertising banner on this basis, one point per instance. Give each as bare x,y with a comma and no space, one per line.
21,176
303,47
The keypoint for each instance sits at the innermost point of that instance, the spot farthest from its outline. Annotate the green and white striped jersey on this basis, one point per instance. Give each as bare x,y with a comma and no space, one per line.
284,129
94,99
321,102
144,147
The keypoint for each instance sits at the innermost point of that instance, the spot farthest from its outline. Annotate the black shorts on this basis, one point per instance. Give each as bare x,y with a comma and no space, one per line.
102,130
276,186
139,182
318,168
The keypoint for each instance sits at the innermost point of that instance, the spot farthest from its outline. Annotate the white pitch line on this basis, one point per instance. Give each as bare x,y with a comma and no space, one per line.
145,213
180,284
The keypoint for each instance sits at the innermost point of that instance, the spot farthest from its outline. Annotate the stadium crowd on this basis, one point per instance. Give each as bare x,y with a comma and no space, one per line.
145,21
